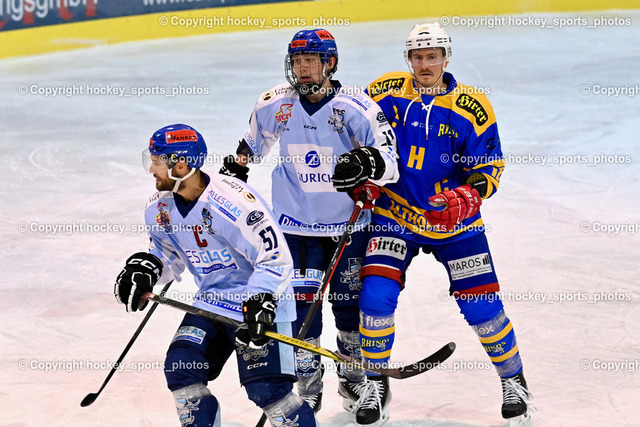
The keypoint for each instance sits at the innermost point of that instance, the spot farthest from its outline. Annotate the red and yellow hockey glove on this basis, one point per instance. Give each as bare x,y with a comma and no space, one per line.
459,204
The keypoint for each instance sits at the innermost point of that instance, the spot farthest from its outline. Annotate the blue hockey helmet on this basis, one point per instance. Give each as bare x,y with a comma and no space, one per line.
178,142
317,41
314,41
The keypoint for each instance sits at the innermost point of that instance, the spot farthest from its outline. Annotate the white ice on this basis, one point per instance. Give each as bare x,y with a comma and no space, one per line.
76,161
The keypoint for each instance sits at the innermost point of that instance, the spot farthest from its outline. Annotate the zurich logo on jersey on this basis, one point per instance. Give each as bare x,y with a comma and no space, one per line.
312,159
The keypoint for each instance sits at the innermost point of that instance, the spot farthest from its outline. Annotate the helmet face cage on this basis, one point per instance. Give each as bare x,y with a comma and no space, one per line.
307,88
311,42
176,143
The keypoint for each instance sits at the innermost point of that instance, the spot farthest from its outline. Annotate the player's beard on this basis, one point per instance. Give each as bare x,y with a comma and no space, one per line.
165,184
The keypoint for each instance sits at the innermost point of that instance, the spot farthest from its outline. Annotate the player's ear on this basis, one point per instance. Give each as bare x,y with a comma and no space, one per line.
182,168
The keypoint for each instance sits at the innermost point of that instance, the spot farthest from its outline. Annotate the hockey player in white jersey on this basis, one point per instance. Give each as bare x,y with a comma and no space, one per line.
326,132
224,234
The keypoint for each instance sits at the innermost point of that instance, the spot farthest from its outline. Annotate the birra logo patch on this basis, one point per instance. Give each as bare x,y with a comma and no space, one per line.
387,246
474,265
474,107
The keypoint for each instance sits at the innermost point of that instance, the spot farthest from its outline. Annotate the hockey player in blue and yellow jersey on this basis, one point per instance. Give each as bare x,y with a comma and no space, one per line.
449,161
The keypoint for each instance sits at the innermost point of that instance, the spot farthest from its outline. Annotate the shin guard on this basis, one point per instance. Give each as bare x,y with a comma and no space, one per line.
499,341
197,407
376,338
349,344
291,410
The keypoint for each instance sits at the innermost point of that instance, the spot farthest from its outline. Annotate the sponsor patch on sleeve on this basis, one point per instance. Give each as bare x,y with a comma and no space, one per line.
474,107
386,86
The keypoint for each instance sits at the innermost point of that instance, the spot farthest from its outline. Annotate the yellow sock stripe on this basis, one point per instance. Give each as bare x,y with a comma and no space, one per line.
381,355
377,333
505,356
497,337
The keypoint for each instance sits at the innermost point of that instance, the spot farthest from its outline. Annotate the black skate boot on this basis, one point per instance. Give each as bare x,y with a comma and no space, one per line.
372,409
350,392
516,398
314,400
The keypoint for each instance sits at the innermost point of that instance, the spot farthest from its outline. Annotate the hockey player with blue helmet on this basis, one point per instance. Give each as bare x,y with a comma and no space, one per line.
221,231
173,144
311,42
328,134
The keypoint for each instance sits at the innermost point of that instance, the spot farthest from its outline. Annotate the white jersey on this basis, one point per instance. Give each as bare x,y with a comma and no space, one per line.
304,200
229,240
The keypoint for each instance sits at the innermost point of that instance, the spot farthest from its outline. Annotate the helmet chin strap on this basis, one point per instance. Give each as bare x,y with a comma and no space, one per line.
178,180
314,88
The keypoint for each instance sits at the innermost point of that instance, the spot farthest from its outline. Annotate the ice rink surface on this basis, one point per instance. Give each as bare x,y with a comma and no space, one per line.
563,228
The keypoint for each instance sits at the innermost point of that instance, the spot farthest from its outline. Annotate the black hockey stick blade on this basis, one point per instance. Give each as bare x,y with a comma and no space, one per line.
409,370
428,362
91,397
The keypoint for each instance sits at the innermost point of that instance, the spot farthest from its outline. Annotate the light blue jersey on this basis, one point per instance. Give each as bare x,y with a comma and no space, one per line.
229,240
311,137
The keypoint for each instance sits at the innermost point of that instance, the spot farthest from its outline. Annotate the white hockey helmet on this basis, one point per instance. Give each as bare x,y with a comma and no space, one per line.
428,35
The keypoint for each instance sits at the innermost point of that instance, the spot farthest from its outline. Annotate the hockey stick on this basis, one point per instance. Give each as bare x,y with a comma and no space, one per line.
402,372
326,278
331,268
91,397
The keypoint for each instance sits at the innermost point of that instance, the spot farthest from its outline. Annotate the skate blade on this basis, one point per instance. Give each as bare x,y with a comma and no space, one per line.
348,404
521,421
384,417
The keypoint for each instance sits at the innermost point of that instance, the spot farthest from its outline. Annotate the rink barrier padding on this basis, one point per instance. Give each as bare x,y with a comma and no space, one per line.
92,29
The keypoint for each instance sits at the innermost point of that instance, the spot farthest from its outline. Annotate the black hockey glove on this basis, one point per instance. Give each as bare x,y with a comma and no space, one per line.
231,168
356,167
259,313
138,276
